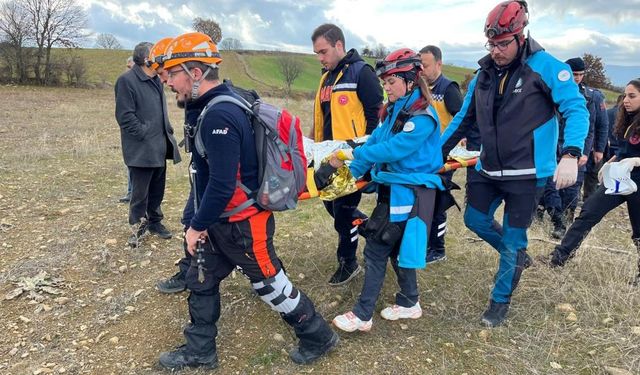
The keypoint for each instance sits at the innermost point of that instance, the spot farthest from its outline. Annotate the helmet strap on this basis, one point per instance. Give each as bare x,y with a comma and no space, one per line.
196,83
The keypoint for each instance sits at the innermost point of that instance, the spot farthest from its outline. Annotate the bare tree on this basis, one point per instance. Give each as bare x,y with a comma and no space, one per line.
14,32
380,51
209,27
107,41
54,23
366,51
230,44
290,67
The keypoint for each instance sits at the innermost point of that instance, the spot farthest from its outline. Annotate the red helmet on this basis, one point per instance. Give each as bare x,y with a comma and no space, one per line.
399,61
506,19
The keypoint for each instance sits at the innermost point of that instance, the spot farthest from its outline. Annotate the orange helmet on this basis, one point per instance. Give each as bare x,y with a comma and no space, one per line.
191,47
156,54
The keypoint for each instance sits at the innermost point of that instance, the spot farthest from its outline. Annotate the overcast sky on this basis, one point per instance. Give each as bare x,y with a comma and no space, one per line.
566,28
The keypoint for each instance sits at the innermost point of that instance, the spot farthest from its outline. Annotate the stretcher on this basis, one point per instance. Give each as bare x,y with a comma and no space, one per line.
450,165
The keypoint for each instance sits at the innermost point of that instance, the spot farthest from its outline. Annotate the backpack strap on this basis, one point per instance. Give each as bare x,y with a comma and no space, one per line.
218,99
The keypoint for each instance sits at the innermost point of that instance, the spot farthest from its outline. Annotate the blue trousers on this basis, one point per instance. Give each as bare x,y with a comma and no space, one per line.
376,255
484,196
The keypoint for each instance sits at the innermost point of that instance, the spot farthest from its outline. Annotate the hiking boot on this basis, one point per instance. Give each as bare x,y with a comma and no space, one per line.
540,214
180,358
304,356
174,284
435,256
396,312
125,199
349,322
558,226
160,230
554,259
495,314
139,230
345,273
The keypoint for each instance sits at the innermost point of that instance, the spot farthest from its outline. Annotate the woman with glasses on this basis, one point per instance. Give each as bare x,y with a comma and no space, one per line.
603,200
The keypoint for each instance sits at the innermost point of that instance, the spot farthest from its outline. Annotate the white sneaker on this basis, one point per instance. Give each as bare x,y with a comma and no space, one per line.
396,312
349,322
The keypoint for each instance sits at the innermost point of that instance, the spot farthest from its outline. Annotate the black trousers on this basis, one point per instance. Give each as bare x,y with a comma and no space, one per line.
248,245
147,194
344,210
593,210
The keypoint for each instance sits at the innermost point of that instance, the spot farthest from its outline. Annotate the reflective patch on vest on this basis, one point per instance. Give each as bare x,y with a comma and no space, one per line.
564,75
343,100
408,127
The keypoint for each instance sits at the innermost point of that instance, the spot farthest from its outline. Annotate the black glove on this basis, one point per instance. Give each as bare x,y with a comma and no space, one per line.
322,176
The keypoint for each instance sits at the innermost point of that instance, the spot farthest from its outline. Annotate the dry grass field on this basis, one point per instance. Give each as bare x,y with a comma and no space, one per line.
89,305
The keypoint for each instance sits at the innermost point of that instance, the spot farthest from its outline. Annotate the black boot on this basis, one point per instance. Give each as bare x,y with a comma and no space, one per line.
540,214
495,314
346,272
174,284
558,225
556,258
315,335
181,358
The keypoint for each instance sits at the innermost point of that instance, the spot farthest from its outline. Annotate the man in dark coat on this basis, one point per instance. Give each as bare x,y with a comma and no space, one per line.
147,141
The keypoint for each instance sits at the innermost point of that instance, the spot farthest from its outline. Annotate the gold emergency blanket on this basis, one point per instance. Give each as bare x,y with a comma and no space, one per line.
342,183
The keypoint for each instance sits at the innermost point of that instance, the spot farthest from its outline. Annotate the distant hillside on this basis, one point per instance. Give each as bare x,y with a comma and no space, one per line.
250,69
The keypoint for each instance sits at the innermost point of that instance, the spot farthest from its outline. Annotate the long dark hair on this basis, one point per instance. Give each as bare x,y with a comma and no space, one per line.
628,124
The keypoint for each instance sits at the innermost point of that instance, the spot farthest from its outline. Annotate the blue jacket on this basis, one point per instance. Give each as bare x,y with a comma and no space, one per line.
409,157
520,142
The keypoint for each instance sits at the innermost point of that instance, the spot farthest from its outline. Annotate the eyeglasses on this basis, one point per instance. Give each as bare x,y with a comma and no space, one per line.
500,46
174,73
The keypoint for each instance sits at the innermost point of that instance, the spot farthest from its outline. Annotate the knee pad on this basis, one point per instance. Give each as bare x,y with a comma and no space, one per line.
278,293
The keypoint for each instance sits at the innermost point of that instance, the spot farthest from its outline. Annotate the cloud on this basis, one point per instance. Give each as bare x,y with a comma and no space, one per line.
612,12
454,25
617,48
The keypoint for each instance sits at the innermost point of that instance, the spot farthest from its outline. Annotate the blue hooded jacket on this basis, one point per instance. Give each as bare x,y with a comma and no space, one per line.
409,157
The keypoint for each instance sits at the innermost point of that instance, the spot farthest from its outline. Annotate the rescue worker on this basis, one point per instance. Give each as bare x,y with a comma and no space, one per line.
513,100
244,236
403,155
447,101
346,106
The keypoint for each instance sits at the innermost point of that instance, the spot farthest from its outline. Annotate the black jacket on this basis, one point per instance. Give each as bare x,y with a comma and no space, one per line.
141,111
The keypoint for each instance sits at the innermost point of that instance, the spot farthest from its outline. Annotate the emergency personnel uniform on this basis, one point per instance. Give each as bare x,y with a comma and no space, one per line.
447,101
518,127
346,107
